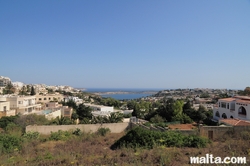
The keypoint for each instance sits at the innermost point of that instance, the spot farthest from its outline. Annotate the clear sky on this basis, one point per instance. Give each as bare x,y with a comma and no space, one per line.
126,43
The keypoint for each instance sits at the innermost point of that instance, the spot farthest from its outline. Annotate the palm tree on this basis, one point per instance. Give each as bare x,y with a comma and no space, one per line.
115,117
62,121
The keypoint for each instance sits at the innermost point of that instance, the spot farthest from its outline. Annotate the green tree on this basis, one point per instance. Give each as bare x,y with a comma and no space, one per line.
4,121
187,105
156,119
31,119
115,117
9,89
28,89
32,92
84,112
23,91
178,107
62,121
70,103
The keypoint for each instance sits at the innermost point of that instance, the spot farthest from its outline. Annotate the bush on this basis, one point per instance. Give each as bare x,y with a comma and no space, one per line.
9,143
77,132
245,135
60,135
161,124
31,135
103,131
139,137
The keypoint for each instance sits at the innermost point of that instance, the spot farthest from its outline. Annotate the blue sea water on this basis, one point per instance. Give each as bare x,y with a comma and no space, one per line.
93,90
127,96
131,95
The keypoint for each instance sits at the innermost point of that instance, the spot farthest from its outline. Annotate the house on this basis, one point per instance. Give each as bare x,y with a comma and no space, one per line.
100,107
237,107
100,110
21,104
53,109
77,100
5,109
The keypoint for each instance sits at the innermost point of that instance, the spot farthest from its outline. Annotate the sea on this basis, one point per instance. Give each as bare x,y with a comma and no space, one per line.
135,93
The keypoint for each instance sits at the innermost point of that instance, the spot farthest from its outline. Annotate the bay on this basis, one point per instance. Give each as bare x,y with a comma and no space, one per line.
126,96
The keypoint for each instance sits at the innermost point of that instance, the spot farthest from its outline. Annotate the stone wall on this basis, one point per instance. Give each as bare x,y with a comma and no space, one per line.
47,129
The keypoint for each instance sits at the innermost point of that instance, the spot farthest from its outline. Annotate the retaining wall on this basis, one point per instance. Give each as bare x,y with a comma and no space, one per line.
47,129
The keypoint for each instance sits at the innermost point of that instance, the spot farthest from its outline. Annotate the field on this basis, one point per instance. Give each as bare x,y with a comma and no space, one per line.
94,150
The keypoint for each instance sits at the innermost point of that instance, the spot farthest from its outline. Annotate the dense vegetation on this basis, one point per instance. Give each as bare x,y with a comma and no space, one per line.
139,137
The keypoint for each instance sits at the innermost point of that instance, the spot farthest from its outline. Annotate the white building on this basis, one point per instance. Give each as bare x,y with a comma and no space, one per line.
77,100
100,110
100,107
237,107
18,85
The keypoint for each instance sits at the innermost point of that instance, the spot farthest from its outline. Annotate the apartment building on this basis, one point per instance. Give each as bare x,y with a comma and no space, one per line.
49,98
237,107
21,104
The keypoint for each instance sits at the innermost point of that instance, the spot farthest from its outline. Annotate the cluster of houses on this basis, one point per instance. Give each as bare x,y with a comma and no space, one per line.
46,104
11,105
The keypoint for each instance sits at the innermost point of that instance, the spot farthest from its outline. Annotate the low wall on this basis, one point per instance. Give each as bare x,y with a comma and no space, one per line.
114,127
189,132
216,131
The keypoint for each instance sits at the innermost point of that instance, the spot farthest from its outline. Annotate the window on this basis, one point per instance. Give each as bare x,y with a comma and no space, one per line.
217,114
66,112
4,108
20,102
40,99
44,99
242,111
223,105
227,105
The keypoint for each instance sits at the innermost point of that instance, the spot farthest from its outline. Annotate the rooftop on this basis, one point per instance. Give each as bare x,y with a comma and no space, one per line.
235,122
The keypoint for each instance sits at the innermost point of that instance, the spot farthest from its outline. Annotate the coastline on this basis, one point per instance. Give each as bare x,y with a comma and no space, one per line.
124,92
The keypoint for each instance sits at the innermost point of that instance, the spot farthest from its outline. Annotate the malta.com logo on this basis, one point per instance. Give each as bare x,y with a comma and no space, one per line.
210,159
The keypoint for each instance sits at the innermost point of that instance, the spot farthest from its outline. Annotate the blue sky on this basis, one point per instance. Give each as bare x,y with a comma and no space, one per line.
126,44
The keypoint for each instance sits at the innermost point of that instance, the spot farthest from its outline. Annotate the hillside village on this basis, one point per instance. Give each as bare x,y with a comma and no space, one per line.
17,98
193,116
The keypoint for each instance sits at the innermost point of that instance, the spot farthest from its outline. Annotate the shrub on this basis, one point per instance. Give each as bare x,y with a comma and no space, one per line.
139,137
245,135
77,132
9,143
60,135
103,131
31,135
